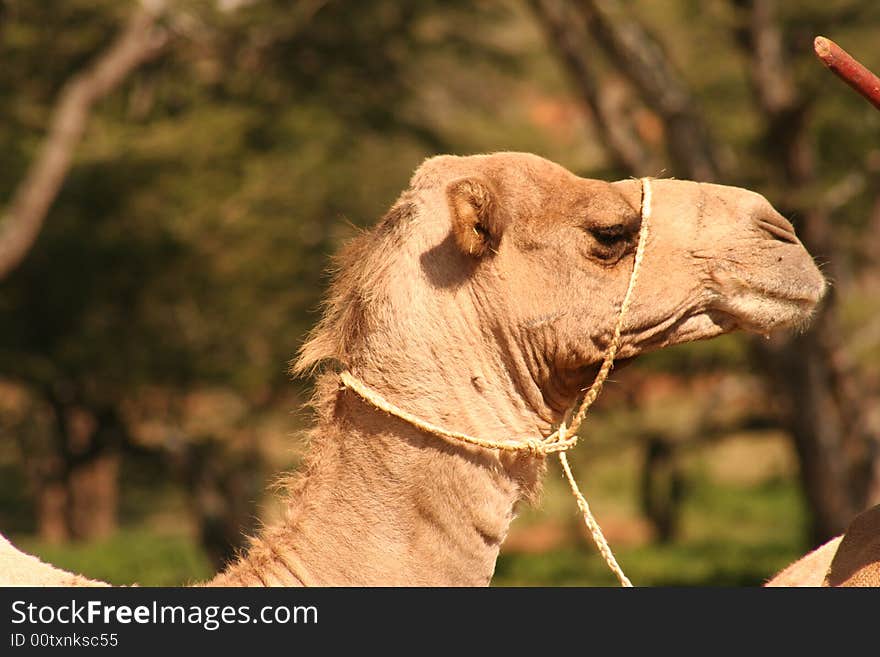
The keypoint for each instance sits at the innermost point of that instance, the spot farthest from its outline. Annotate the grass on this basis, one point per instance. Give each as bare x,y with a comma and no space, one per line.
730,536
143,556
742,519
706,563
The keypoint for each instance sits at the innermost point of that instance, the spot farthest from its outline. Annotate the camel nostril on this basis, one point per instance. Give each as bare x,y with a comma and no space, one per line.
777,227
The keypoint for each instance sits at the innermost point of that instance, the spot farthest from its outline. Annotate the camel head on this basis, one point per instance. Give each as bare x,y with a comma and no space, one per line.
514,253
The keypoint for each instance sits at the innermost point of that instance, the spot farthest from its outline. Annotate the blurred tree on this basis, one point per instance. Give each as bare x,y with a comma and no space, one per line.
188,241
824,405
76,480
184,252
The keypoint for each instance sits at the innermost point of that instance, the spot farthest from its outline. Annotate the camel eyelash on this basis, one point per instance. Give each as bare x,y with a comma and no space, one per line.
609,235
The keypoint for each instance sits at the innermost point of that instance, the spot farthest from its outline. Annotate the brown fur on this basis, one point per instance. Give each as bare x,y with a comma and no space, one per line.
857,560
357,293
852,559
810,570
483,302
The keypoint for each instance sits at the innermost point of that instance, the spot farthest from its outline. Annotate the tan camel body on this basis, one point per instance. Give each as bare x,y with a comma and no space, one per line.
19,569
852,559
809,570
483,303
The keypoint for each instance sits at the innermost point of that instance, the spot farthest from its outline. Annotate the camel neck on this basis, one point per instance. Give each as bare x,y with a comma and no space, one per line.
382,503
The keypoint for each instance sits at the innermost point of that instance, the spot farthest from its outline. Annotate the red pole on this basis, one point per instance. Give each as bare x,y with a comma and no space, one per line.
848,69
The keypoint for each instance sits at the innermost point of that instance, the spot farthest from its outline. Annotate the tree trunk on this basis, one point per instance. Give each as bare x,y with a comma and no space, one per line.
93,476
640,56
51,511
812,418
223,486
93,497
661,487
76,478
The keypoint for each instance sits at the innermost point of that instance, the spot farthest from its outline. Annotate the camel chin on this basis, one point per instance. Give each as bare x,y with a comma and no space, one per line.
703,325
761,312
706,325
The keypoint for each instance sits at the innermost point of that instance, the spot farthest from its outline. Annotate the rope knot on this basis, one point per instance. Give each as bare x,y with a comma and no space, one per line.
535,447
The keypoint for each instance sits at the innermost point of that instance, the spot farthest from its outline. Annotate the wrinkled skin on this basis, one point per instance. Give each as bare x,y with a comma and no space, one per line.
717,258
483,302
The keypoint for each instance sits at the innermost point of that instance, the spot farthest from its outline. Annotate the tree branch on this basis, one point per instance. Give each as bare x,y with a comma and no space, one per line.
775,91
138,42
773,85
622,144
640,57
848,69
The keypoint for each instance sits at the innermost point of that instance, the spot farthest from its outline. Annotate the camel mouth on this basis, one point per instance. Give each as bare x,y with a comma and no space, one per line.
766,303
752,310
761,311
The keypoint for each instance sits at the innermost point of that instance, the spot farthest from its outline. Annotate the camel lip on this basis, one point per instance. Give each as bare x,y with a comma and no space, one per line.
808,297
766,313
700,323
803,285
806,300
759,306
726,320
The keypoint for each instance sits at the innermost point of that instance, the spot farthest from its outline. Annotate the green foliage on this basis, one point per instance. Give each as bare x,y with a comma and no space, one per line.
189,242
144,557
732,536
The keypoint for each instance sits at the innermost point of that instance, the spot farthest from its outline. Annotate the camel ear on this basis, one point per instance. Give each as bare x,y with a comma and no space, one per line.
476,218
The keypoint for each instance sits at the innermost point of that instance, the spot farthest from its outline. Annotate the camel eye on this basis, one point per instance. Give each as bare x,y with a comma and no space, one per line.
610,242
609,235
